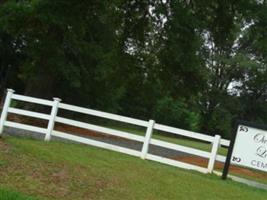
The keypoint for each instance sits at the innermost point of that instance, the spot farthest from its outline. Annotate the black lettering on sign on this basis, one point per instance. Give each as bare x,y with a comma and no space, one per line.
262,152
243,128
236,159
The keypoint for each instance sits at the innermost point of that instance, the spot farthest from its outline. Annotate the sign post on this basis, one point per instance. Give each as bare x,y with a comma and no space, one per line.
248,147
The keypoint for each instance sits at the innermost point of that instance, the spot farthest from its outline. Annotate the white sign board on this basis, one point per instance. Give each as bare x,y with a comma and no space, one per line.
250,148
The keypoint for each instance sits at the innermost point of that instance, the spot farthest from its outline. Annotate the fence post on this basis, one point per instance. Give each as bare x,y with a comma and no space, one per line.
214,151
51,122
5,109
148,135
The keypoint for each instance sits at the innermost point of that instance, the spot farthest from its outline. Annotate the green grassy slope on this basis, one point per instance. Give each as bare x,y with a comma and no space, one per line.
58,170
11,195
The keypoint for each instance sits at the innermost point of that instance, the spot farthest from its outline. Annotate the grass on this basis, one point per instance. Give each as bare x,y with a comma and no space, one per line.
58,170
11,195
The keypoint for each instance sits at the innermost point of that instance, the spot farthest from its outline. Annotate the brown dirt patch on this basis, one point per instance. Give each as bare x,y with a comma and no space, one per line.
78,131
219,166
27,120
3,146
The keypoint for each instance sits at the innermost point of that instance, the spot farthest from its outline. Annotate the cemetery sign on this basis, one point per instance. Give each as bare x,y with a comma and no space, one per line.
248,147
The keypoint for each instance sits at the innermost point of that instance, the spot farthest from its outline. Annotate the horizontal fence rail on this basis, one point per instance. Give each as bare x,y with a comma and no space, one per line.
184,133
146,140
99,129
32,100
221,158
96,143
25,127
225,143
101,114
28,113
181,148
176,163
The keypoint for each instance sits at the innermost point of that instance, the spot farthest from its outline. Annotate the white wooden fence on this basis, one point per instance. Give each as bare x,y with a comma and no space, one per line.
147,140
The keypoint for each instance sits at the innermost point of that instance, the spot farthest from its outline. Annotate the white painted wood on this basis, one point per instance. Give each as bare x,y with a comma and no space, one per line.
106,115
176,163
100,129
182,132
51,122
96,143
25,127
28,113
147,140
225,142
32,100
149,132
221,158
214,151
178,147
9,95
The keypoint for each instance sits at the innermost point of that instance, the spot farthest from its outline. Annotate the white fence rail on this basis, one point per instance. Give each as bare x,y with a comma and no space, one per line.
147,140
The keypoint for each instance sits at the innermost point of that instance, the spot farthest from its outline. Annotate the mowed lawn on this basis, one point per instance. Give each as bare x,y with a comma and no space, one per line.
58,170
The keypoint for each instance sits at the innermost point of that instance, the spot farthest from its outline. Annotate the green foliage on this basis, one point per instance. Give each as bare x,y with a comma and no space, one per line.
11,195
175,112
180,61
200,63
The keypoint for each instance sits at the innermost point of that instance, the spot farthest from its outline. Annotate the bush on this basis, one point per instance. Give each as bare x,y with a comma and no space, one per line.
176,112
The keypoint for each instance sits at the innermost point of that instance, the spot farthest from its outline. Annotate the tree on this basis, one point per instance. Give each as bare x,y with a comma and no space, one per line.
68,45
253,90
192,64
